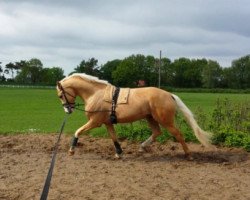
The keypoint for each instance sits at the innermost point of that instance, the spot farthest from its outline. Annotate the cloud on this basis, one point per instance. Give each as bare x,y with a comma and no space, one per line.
62,33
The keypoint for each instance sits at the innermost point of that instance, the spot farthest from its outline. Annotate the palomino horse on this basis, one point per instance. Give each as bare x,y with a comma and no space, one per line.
157,106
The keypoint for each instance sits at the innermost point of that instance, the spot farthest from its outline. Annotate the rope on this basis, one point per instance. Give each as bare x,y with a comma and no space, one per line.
46,186
88,111
45,191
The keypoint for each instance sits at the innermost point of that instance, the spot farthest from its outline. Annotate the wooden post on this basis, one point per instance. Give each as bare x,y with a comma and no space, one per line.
159,72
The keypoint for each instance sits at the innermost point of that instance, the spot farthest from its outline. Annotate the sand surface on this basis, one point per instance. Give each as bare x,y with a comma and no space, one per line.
94,173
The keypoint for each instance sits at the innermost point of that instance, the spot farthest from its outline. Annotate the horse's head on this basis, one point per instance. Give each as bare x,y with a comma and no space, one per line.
67,97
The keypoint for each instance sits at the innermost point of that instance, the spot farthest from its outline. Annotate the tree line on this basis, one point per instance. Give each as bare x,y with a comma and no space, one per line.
30,72
180,73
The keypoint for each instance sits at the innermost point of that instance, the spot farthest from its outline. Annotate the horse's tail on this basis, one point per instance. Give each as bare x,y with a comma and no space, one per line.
203,136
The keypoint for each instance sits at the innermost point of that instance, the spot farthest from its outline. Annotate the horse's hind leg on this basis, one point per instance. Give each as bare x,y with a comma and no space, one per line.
112,134
156,131
177,134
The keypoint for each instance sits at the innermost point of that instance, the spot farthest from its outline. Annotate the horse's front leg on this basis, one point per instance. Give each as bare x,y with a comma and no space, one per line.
89,125
112,134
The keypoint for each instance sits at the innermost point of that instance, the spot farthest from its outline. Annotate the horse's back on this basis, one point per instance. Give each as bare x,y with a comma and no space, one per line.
153,97
151,93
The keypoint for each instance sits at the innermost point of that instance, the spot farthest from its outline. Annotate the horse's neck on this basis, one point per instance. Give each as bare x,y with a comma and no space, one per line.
87,89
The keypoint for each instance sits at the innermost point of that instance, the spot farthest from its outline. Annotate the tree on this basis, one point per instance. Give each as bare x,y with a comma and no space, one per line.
125,73
89,67
2,78
30,72
180,66
240,73
9,68
194,72
135,68
151,71
226,78
107,69
36,67
167,72
187,73
212,75
1,69
19,65
51,75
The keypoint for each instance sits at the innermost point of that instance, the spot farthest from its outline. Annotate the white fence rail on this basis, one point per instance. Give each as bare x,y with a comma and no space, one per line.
27,86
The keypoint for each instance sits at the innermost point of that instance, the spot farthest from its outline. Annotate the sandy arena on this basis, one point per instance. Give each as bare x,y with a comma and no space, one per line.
94,173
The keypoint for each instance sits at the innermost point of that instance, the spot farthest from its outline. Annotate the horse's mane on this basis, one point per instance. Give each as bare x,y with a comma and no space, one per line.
86,77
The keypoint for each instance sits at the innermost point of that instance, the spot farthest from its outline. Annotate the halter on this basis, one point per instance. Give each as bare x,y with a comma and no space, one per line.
68,105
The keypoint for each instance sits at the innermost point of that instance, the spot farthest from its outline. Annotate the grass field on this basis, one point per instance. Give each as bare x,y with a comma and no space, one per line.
39,110
34,110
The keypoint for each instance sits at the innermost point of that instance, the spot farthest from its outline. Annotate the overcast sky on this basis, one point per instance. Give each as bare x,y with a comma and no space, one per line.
64,32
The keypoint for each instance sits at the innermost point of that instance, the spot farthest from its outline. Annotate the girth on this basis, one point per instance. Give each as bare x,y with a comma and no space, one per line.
113,117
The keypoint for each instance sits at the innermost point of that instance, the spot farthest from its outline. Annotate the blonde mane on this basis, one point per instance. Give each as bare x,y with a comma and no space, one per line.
88,77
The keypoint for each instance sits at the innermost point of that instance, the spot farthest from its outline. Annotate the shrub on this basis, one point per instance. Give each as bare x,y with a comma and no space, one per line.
246,143
230,123
138,131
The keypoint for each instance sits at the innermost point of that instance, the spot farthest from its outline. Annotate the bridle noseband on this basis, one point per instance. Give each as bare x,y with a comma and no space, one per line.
70,106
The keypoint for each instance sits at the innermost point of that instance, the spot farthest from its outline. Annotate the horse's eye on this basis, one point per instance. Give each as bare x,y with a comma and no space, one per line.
61,96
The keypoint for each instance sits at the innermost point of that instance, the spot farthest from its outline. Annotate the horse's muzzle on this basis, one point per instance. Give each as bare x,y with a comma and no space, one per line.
68,109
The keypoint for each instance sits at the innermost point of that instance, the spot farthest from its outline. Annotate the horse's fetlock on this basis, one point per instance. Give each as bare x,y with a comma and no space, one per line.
74,142
118,156
118,148
142,149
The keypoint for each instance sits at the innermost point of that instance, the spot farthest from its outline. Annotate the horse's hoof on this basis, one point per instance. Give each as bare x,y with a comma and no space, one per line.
142,149
189,157
118,156
71,152
146,149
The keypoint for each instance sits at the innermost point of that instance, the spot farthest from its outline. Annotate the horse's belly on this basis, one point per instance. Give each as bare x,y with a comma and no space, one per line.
130,114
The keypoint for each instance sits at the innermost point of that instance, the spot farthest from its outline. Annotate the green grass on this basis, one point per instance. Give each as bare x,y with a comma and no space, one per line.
34,110
207,101
39,110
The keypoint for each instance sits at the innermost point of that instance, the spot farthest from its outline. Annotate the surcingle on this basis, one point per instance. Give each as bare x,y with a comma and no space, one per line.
122,98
